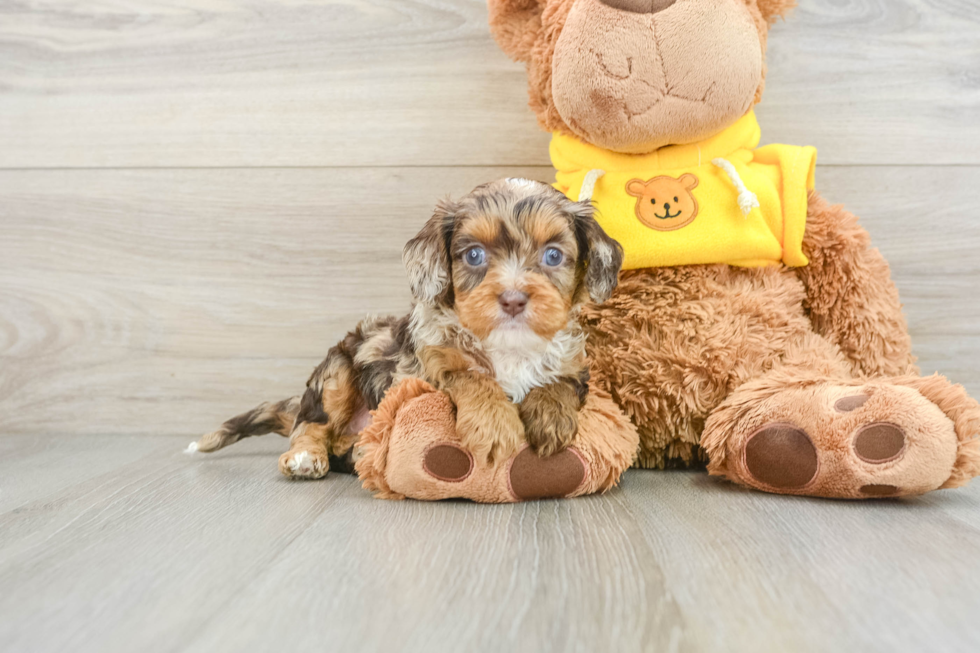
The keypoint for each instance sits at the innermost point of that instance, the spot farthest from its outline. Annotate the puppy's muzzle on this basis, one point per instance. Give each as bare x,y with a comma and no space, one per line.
513,302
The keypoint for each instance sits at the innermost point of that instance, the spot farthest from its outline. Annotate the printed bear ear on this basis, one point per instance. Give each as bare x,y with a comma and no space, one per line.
516,25
773,9
636,188
689,181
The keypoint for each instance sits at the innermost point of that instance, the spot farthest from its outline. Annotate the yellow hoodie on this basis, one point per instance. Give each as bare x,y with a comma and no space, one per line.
717,201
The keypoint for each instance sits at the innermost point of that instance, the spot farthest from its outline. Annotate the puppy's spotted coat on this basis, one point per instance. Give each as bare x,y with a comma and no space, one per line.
498,279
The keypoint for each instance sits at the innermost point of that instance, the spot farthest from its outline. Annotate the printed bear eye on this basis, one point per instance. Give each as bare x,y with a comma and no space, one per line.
653,201
675,199
475,256
553,256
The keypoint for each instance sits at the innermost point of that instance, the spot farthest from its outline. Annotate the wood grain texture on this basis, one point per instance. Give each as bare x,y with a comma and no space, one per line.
793,574
167,552
402,83
165,301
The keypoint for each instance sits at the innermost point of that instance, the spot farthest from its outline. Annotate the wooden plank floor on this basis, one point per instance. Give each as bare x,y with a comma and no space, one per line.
198,198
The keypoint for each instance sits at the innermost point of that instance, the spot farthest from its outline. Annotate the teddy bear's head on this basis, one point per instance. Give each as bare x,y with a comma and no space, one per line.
635,75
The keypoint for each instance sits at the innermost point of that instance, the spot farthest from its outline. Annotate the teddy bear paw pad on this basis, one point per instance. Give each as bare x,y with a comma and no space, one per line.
533,477
447,462
781,456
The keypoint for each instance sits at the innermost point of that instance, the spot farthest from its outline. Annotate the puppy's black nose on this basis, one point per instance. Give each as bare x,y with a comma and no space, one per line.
513,302
639,6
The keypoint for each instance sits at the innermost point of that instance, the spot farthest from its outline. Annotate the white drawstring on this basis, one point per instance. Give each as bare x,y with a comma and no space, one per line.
747,200
588,184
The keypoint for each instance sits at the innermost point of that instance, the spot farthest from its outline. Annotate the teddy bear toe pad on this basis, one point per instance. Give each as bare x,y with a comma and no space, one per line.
850,402
879,442
879,490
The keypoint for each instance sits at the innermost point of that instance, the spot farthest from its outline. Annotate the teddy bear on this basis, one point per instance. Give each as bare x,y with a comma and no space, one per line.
754,328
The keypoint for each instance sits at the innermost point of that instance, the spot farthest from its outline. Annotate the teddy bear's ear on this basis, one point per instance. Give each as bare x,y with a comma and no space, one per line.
636,188
773,9
426,257
516,25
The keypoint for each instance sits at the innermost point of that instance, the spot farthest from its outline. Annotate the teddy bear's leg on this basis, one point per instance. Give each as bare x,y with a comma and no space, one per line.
850,297
794,431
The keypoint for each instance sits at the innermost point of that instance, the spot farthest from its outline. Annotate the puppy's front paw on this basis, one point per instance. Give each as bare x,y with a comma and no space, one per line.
492,432
304,463
548,425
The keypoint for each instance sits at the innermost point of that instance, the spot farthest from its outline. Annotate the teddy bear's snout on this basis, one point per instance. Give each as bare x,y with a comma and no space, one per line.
639,6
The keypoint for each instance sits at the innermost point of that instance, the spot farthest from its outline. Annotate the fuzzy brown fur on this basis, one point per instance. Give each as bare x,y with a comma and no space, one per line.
705,359
499,278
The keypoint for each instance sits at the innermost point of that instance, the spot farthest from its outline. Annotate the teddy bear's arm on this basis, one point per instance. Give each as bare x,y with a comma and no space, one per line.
850,296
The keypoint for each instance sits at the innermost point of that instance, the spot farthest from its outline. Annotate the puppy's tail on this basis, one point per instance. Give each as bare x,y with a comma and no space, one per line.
270,417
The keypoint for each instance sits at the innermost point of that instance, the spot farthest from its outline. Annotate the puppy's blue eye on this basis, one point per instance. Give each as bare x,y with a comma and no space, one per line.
553,256
475,256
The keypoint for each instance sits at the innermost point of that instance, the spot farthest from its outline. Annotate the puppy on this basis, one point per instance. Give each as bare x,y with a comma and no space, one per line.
498,280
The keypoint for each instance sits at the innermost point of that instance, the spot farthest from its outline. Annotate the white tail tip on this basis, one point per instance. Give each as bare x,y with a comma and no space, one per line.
191,448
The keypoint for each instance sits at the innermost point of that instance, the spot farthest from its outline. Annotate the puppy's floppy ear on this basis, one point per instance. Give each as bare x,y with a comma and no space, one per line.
516,25
603,256
426,257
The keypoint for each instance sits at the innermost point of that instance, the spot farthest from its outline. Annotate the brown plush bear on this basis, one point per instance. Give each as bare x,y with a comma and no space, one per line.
754,325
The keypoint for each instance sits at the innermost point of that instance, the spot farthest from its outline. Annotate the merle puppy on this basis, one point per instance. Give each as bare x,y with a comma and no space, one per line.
498,279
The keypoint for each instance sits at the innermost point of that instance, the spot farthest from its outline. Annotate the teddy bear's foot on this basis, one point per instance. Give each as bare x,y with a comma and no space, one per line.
881,438
413,448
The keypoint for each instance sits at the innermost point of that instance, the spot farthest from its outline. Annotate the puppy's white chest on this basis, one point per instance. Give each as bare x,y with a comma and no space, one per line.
519,371
523,360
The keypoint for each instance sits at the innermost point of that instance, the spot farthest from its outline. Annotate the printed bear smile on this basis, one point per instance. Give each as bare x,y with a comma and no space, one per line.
668,216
